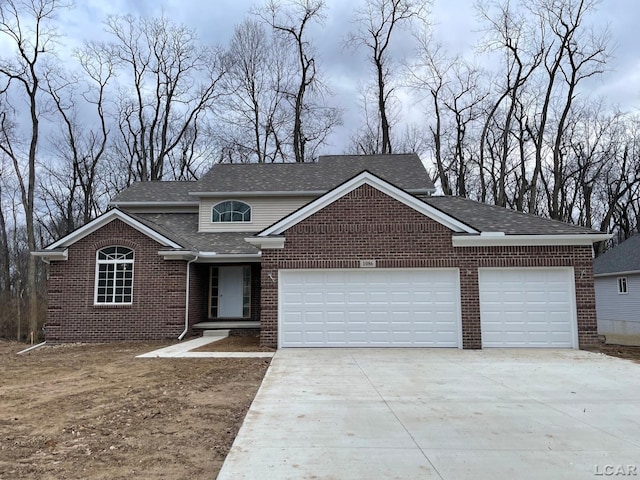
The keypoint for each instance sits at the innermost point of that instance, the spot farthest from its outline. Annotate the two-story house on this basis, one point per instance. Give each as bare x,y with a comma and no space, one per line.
349,251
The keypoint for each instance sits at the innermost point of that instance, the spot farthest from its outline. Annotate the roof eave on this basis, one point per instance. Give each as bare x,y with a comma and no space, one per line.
495,239
617,274
187,255
153,203
209,257
104,219
266,242
52,255
293,193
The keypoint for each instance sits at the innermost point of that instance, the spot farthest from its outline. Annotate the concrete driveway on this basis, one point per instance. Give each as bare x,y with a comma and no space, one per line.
441,414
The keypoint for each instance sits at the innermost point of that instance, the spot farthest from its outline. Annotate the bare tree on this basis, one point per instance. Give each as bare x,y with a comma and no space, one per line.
72,193
375,24
578,53
5,256
254,119
453,92
174,83
428,75
28,26
367,140
313,119
511,33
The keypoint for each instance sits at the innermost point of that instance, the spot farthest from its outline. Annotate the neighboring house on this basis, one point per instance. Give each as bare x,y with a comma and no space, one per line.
617,283
348,251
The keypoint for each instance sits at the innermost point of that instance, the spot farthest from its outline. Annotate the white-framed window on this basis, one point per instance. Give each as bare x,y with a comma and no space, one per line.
231,211
114,276
622,286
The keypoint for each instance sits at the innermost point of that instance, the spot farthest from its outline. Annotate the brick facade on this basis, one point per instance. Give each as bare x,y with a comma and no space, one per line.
364,224
157,311
368,224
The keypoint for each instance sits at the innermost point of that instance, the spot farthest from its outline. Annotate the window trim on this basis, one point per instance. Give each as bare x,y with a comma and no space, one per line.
623,286
100,262
221,222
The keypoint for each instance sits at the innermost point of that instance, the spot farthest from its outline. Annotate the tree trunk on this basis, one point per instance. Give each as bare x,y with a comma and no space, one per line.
382,107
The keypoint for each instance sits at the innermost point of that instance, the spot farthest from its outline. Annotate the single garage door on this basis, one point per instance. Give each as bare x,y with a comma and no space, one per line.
369,308
527,307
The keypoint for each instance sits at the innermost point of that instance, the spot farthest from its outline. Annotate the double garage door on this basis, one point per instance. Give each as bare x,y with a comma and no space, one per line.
421,308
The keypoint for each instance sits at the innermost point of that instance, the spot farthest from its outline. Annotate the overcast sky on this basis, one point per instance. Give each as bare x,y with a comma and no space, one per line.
455,24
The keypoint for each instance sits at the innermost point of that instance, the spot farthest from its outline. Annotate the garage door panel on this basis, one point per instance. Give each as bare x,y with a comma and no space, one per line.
408,307
529,307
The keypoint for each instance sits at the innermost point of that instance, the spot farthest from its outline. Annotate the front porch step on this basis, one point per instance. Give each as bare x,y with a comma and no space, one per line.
226,325
215,333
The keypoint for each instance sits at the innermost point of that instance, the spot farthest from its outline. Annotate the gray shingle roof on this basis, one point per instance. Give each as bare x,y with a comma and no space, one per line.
404,171
182,228
624,257
490,218
165,192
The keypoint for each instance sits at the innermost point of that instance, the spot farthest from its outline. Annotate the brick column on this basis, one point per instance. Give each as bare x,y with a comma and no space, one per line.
470,305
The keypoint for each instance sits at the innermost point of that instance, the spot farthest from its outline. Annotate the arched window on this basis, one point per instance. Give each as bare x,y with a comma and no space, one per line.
114,276
231,211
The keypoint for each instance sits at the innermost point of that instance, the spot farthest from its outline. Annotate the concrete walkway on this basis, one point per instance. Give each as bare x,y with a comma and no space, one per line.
440,414
183,350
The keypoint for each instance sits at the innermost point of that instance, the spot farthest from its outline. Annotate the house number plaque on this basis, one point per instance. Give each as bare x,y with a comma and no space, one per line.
367,264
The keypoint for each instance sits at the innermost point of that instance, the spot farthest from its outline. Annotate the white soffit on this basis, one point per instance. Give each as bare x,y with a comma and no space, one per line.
106,218
377,183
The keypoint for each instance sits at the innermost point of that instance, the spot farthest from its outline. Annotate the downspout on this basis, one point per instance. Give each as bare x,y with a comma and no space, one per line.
32,347
186,306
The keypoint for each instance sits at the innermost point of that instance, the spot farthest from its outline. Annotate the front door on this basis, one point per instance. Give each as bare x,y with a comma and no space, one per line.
230,289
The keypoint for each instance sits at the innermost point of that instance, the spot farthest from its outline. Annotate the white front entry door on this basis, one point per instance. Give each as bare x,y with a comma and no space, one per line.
369,308
230,285
527,307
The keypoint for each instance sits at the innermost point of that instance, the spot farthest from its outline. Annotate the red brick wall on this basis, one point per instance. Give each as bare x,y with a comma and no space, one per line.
158,305
367,224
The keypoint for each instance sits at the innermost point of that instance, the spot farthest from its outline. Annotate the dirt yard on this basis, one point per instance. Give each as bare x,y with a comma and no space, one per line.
236,343
96,412
620,351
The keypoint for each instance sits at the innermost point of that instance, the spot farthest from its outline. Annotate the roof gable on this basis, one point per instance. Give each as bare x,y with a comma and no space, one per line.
366,178
104,219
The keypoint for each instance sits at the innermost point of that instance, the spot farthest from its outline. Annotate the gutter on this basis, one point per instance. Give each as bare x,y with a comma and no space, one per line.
186,306
47,255
498,239
617,274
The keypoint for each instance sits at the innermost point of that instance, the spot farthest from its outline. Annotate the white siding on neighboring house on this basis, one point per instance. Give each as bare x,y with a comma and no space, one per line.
618,313
265,211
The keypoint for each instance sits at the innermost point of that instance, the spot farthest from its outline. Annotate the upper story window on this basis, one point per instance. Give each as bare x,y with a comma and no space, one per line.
231,211
114,276
622,285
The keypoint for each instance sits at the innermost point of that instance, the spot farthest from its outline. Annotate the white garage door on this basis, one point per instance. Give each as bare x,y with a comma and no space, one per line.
369,308
527,307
